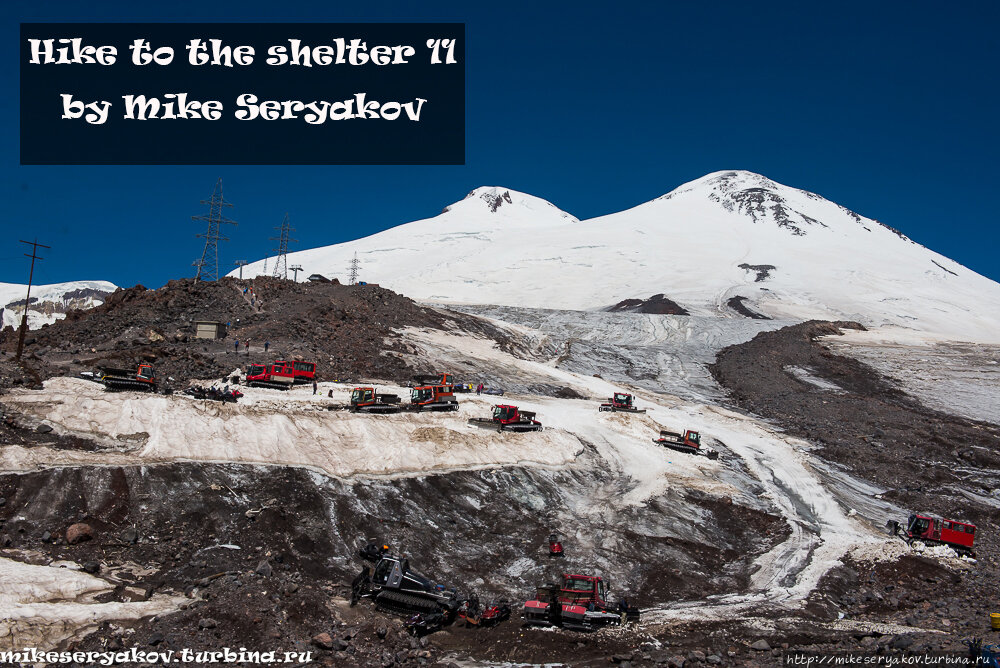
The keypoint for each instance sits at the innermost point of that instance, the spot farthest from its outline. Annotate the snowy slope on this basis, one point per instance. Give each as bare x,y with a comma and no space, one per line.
790,253
50,302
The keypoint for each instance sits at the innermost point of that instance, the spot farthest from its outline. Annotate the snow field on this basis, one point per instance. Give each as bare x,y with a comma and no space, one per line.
43,605
268,429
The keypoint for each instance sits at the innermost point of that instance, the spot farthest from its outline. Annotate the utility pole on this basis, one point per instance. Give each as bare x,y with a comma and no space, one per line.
296,268
27,300
208,265
355,265
281,261
240,264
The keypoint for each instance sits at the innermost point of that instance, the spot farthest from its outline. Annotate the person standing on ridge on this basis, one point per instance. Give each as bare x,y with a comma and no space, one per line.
236,345
248,347
315,387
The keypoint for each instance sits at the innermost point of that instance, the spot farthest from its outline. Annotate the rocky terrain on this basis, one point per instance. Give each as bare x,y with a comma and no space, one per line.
921,459
348,330
241,523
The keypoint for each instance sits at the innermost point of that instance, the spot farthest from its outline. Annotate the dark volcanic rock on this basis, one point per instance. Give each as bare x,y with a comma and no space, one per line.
736,303
867,425
350,331
655,304
762,271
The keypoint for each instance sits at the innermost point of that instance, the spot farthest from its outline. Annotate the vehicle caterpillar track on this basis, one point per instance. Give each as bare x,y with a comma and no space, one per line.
404,603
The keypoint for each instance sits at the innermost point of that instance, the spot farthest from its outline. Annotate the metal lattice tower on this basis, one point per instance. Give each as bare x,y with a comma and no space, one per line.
355,266
283,239
208,265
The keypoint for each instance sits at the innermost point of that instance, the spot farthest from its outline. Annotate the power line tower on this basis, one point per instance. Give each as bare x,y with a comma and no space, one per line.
208,265
283,238
27,300
355,267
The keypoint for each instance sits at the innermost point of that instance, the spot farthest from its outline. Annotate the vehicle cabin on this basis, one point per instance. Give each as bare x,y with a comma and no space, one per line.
302,372
505,414
959,534
583,589
362,396
622,399
431,393
278,372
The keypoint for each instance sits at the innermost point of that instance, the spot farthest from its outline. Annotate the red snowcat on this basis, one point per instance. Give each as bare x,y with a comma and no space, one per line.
622,403
580,603
433,398
555,546
956,535
302,372
689,441
141,378
508,418
434,379
368,400
279,375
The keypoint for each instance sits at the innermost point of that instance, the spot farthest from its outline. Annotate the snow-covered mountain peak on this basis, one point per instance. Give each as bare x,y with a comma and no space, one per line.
731,243
49,302
757,199
508,203
729,179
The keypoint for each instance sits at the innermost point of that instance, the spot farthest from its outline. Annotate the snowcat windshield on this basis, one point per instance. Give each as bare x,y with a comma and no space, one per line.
502,412
694,437
579,585
361,395
420,394
255,370
623,398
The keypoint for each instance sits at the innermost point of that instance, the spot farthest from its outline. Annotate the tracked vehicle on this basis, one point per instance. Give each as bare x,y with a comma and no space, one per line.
689,442
621,403
433,379
302,372
508,418
960,536
368,400
278,375
394,587
433,398
142,379
579,603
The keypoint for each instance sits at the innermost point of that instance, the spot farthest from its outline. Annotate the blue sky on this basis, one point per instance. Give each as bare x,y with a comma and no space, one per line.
888,108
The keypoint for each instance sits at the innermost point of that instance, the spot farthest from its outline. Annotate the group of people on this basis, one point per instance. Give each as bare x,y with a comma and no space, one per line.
246,344
255,303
